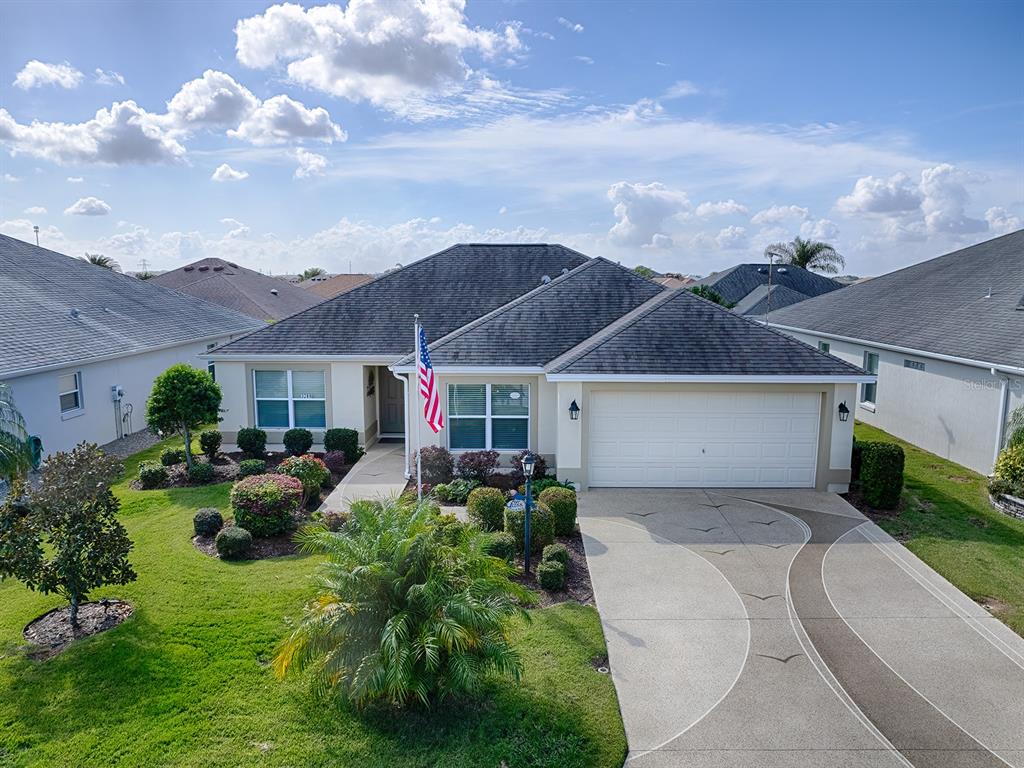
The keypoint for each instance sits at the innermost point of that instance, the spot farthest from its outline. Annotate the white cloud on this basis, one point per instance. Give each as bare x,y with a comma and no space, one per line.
38,73
503,210
583,59
88,206
1001,220
280,119
570,25
215,99
642,210
679,90
10,178
945,200
777,214
310,164
896,194
721,208
35,210
108,77
75,179
731,238
225,172
820,229
238,229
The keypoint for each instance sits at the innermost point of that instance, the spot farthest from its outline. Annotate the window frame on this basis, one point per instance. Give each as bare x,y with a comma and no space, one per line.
70,413
211,366
872,402
488,416
290,398
824,346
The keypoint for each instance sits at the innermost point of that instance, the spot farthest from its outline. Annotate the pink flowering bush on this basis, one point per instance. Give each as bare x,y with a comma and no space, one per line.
308,470
264,504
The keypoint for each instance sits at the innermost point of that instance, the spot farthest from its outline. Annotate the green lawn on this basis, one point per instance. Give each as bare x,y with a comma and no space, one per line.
949,523
185,681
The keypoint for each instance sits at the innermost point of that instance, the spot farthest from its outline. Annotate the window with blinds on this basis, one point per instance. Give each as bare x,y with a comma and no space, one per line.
488,416
286,399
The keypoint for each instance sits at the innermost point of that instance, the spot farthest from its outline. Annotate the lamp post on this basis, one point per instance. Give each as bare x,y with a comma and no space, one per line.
528,461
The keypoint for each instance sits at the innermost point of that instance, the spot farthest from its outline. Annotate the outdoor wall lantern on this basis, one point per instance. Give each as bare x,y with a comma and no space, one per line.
844,412
574,411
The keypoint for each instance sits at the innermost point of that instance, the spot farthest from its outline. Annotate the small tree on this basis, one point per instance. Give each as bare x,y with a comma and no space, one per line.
65,538
711,295
15,451
183,399
643,271
99,260
311,272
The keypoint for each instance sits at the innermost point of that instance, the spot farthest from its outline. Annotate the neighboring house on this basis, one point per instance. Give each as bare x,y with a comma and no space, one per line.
946,338
243,290
746,286
81,344
671,390
674,280
333,286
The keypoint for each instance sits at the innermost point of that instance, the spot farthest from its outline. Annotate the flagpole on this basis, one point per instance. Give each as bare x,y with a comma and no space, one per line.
415,420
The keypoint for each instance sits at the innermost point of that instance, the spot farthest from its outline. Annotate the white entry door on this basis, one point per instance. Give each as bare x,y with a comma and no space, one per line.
662,438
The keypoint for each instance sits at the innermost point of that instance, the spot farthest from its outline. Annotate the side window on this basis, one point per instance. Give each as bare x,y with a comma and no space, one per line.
868,392
69,389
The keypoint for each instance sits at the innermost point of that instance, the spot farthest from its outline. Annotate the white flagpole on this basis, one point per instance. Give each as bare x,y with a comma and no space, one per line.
415,420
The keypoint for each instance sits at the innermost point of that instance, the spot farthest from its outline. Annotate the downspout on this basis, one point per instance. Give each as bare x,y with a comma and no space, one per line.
1004,400
405,413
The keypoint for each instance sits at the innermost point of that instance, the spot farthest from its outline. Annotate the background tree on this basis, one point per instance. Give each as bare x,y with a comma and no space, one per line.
15,450
311,272
102,261
711,295
183,399
65,538
809,254
643,271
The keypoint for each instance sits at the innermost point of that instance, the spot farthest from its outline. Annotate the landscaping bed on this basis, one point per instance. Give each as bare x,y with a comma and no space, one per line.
52,632
577,589
263,547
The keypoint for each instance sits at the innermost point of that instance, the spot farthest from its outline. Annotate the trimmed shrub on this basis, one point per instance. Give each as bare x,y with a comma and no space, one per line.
551,575
263,504
540,467
557,552
207,521
308,470
298,441
335,519
562,503
486,507
233,543
542,527
501,545
252,441
209,442
346,440
457,491
436,463
152,475
248,467
537,487
335,461
171,456
1010,465
201,472
999,487
477,465
881,474
855,461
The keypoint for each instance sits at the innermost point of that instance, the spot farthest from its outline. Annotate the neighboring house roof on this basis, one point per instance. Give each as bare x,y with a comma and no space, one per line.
736,283
967,304
756,302
56,310
335,285
674,281
243,290
447,289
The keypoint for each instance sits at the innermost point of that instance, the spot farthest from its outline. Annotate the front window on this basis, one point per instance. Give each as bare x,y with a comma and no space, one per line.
868,392
69,388
488,416
286,399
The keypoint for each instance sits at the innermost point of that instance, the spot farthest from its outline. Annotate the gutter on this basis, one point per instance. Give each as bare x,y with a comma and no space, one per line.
474,370
240,357
405,409
670,378
1004,400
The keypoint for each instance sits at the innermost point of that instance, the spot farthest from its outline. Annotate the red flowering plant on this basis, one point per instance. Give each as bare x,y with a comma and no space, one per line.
308,470
264,504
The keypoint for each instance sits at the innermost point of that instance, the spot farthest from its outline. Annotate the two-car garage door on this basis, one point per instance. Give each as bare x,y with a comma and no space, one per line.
660,437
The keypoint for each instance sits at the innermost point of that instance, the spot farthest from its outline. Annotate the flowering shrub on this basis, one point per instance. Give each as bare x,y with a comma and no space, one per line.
308,470
263,504
436,463
1010,465
477,465
335,461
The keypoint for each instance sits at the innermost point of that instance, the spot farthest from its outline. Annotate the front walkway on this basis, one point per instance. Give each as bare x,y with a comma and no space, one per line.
379,473
781,628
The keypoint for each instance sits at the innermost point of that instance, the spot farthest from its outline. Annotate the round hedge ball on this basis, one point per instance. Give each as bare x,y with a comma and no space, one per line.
233,543
207,522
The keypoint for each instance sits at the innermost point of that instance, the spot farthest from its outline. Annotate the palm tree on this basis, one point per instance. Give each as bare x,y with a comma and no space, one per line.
15,449
312,272
809,254
102,261
411,608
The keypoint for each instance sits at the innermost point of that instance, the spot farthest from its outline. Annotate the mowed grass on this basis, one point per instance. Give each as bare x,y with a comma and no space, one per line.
185,681
949,523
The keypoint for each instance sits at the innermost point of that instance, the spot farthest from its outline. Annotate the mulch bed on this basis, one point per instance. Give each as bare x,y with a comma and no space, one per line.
263,548
52,632
577,577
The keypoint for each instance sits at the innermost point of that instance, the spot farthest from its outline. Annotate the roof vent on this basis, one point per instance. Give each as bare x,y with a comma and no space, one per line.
203,269
232,264
75,313
782,270
545,280
274,291
189,269
565,270
763,270
218,268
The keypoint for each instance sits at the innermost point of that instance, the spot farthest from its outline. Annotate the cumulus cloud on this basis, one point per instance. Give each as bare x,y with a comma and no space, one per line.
310,164
10,178
945,200
777,214
819,229
583,59
1001,220
721,208
281,119
731,238
570,25
108,77
35,210
680,90
75,179
39,73
213,100
896,194
88,206
642,210
225,172
237,228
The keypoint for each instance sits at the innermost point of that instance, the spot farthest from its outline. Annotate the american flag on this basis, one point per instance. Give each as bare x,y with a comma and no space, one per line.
428,388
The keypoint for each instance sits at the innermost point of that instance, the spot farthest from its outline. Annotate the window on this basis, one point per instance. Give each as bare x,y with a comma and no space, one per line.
824,346
286,399
868,392
488,416
915,365
69,388
211,367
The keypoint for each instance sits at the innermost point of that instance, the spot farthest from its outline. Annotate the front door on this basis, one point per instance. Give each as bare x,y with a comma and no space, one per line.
392,403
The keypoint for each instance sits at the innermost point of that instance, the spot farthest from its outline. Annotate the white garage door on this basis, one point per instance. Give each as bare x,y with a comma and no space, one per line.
703,439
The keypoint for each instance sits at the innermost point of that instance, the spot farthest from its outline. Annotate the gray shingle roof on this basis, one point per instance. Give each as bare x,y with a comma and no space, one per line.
447,289
736,283
114,313
680,334
756,303
941,305
243,290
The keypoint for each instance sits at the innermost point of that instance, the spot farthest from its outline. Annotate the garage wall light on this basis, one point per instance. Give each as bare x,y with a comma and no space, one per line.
844,412
574,411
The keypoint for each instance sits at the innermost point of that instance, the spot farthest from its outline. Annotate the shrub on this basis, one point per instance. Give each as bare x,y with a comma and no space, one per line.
182,399
346,440
335,461
252,441
537,487
308,470
263,504
855,457
152,475
562,503
881,474
1010,465
501,545
436,463
201,472
457,491
557,552
233,543
209,442
207,521
477,465
335,519
298,441
542,526
540,467
998,487
247,467
171,456
486,507
551,575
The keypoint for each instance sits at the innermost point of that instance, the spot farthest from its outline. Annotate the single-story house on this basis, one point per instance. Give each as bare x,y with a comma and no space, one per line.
746,286
946,339
332,286
616,380
81,344
243,290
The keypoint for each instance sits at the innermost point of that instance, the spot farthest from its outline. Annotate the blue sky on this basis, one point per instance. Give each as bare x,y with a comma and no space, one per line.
682,136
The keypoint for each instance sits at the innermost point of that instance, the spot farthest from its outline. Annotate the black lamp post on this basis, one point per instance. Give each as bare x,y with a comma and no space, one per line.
844,412
528,461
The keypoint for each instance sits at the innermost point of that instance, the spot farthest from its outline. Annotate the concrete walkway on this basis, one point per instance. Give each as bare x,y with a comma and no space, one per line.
379,473
782,628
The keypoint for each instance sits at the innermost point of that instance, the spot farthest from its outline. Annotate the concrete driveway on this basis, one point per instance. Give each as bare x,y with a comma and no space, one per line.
782,628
